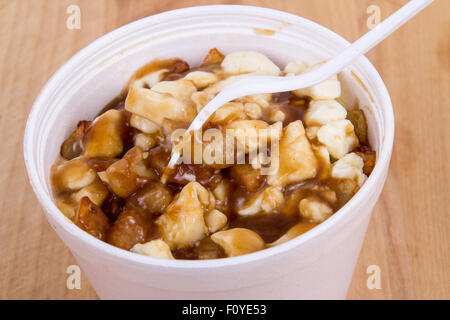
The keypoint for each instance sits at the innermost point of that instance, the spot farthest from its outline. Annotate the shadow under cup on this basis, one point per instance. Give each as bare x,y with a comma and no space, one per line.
317,265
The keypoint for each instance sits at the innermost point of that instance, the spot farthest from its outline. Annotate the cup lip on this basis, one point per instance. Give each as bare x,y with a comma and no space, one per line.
371,183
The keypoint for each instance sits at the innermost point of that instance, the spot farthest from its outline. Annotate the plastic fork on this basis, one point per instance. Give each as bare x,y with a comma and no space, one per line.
272,84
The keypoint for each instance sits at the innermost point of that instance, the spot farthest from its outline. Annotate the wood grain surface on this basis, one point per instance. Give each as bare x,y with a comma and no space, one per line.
409,234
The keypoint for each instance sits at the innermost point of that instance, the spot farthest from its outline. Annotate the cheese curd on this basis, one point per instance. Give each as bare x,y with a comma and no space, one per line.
238,241
295,68
270,166
314,209
339,137
180,89
156,106
201,79
324,111
183,222
266,200
248,133
349,167
215,220
73,175
327,90
155,248
228,112
296,160
247,62
104,136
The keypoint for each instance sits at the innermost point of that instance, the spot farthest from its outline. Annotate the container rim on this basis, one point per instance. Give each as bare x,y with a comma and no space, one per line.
114,252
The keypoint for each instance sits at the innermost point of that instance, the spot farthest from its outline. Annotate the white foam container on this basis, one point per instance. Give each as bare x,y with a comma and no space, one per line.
317,265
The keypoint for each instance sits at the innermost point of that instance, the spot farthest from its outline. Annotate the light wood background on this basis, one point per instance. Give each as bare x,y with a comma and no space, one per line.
409,235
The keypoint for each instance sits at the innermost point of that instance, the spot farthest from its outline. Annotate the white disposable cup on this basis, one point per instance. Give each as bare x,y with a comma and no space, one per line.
317,265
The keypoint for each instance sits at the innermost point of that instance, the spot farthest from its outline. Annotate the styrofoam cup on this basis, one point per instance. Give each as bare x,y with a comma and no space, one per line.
317,265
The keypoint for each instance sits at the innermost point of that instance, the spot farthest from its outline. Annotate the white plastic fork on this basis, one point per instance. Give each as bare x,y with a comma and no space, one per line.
272,84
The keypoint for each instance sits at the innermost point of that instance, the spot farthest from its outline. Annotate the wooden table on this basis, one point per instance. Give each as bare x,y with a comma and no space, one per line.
409,235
